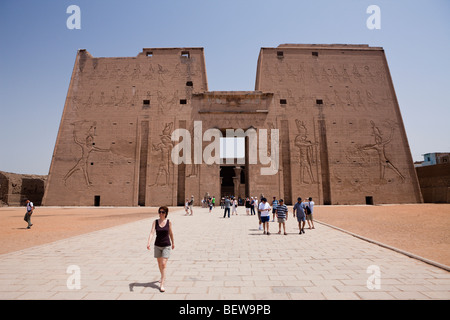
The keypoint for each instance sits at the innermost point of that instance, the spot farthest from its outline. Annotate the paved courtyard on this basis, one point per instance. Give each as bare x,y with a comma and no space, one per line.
217,258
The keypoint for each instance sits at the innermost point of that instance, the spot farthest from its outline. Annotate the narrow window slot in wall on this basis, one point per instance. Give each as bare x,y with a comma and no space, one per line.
185,54
149,54
189,84
319,101
283,101
280,54
315,54
183,101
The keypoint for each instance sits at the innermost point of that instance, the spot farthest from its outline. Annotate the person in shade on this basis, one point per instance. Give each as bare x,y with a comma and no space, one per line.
164,242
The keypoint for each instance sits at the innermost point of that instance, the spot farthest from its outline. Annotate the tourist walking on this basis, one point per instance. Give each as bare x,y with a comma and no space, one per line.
255,205
282,216
226,205
164,242
264,208
299,209
234,206
210,204
30,209
186,207
248,206
191,205
274,207
309,208
252,207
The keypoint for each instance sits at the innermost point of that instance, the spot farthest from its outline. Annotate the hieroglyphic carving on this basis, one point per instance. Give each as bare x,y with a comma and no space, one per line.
380,147
148,75
83,135
136,72
164,149
356,73
306,154
345,76
160,101
161,75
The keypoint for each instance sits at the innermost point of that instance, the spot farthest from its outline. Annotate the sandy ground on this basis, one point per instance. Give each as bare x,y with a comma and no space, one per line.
422,229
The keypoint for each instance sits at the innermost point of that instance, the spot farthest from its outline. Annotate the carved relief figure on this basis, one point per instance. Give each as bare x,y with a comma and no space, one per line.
161,98
161,77
148,75
87,146
379,146
165,149
305,153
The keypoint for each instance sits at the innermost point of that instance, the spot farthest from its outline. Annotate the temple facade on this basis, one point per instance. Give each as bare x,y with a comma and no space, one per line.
322,122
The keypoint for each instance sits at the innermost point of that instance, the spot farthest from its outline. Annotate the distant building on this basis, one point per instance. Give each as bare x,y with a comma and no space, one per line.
433,158
434,177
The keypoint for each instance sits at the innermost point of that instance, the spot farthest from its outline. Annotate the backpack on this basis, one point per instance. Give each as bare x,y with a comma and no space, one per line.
308,210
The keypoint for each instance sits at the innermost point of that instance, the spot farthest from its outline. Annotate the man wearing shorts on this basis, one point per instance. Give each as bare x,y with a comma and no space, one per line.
282,215
309,208
264,208
299,208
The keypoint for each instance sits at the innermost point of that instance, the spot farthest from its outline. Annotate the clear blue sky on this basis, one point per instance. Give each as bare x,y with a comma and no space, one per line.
38,52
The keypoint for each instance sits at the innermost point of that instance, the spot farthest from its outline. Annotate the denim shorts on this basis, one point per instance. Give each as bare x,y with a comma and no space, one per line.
162,252
265,219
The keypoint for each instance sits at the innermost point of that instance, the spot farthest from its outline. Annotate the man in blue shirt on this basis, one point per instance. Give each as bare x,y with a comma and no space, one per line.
274,207
299,208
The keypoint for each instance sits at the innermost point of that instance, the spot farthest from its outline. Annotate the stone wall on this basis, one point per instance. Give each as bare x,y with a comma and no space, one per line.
15,188
333,108
435,182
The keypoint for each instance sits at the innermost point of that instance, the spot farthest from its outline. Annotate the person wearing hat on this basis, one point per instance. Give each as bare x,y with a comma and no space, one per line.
299,208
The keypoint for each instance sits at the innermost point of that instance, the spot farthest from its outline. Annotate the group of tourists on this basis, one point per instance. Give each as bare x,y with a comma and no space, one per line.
303,210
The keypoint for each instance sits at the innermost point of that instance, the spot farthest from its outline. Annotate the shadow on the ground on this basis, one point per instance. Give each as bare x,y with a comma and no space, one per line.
153,284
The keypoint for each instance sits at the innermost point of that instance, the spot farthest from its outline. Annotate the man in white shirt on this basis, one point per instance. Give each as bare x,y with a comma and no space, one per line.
30,209
309,209
265,208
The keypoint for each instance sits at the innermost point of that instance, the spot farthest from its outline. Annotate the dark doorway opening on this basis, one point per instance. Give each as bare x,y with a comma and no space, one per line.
369,200
227,181
96,201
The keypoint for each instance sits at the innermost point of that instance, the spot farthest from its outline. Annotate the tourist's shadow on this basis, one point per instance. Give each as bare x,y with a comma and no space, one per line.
153,284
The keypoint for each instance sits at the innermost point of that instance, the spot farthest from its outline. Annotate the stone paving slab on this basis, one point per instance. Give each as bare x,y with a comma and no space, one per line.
219,259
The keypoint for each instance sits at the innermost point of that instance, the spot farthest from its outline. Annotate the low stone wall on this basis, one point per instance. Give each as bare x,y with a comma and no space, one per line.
16,188
434,183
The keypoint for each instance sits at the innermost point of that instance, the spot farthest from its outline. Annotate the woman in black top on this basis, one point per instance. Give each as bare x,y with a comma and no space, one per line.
163,243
